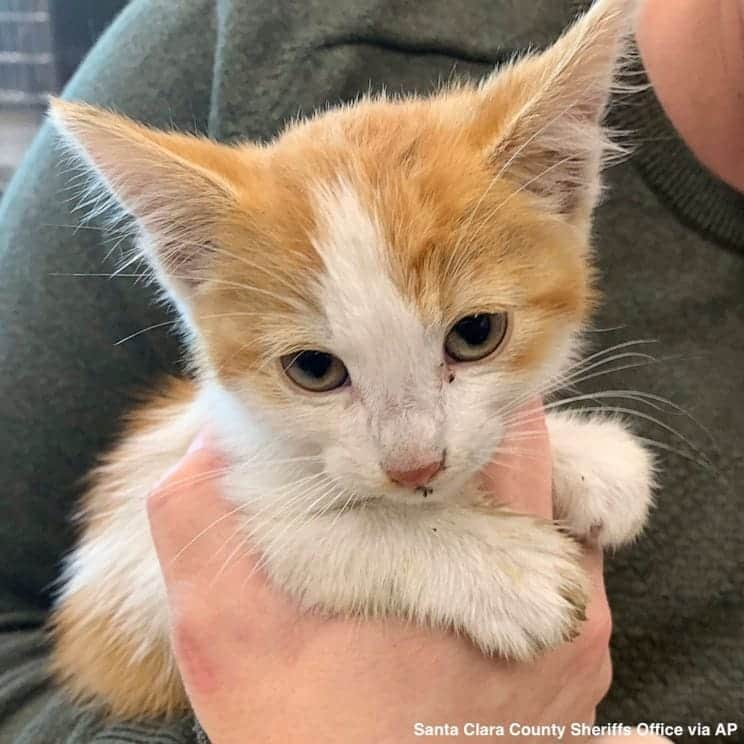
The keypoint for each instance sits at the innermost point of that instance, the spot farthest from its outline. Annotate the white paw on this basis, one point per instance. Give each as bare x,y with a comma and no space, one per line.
536,599
603,478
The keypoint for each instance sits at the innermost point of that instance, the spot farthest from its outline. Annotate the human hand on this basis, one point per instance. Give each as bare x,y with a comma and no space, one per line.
257,668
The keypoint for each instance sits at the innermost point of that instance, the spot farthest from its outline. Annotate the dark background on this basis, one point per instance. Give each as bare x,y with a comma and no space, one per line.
76,24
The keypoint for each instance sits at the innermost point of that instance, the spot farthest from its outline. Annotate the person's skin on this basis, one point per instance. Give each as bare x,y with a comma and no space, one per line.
693,52
256,668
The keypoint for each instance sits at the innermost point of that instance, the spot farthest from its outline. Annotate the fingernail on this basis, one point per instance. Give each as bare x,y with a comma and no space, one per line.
200,442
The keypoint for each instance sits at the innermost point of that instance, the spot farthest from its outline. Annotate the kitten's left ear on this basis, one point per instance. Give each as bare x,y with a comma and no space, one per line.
540,119
174,185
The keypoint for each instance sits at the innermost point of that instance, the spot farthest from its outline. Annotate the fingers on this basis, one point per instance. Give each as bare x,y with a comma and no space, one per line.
520,475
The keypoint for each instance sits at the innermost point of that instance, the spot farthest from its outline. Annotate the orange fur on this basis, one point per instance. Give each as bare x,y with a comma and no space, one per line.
93,661
98,666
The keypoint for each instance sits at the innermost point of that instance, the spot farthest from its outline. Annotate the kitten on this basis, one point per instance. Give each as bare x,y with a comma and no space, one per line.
368,300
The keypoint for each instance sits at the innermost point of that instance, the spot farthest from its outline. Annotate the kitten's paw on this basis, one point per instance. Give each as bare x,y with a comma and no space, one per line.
540,602
603,479
512,584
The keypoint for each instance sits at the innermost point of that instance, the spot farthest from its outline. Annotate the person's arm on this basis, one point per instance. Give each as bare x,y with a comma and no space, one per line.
692,52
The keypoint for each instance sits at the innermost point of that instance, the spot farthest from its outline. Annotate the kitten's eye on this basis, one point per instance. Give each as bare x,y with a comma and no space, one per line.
476,336
316,371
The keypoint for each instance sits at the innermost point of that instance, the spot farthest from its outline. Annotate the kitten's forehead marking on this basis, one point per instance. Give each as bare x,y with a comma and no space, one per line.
368,317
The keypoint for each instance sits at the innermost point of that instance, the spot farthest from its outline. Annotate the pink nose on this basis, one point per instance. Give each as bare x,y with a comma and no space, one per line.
416,477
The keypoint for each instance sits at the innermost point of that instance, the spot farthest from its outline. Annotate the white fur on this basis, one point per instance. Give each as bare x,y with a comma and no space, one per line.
602,479
397,382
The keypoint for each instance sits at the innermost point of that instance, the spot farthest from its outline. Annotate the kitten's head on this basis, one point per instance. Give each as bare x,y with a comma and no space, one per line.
388,281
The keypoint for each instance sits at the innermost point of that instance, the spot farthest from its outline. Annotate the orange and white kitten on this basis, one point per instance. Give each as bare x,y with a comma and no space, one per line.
369,299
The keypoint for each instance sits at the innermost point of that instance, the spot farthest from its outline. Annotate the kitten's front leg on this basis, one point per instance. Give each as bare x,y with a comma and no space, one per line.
603,478
511,583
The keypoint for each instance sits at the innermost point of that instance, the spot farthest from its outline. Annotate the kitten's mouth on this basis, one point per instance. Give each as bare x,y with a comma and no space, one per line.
412,497
449,490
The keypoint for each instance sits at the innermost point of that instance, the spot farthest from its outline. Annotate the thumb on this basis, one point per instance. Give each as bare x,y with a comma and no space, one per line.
520,474
188,517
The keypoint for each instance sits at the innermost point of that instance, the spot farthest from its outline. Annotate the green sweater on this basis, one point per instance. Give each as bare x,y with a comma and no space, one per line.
669,239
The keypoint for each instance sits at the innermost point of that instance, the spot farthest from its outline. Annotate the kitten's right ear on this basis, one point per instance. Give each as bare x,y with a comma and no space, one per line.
174,185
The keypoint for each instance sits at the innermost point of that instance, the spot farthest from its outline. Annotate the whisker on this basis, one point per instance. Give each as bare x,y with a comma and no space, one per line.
340,511
651,419
701,460
179,320
605,330
201,533
101,275
149,328
645,361
241,507
192,480
597,360
241,544
268,549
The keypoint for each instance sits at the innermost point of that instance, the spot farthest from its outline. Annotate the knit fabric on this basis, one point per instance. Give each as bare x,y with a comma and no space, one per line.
669,242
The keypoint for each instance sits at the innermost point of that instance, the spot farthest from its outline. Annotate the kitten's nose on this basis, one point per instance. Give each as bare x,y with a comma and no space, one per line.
416,477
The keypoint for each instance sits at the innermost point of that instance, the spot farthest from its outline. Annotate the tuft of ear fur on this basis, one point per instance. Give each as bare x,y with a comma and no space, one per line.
540,118
173,185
